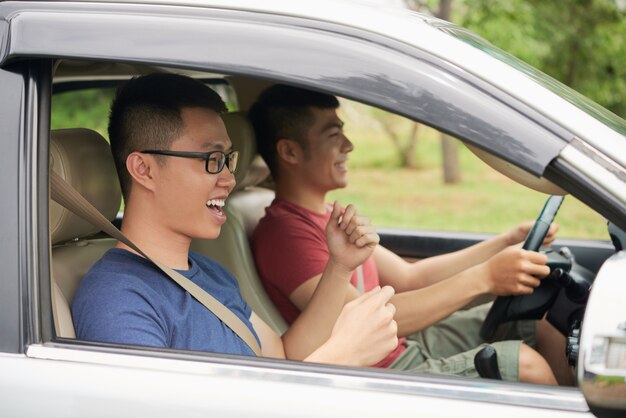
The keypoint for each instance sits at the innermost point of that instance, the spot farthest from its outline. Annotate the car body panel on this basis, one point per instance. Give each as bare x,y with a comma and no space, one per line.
161,387
13,87
417,244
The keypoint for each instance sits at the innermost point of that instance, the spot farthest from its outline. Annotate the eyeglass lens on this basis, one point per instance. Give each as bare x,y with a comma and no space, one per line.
216,161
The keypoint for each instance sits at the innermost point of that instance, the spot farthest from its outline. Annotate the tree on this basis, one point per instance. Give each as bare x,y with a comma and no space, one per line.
578,42
449,146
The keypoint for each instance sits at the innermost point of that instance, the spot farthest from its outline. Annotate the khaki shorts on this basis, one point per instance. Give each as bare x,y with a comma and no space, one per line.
449,346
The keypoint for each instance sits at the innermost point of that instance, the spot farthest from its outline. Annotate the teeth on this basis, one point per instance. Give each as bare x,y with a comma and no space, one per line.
216,202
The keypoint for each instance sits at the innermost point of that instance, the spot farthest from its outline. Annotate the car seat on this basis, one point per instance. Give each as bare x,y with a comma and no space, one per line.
82,157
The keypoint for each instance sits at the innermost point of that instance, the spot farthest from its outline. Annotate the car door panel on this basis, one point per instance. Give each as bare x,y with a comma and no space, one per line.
417,244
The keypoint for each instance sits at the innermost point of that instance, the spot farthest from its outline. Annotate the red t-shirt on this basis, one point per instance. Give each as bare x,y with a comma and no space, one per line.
289,246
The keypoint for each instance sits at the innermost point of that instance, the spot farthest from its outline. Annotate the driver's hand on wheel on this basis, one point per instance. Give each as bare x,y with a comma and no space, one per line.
520,232
514,271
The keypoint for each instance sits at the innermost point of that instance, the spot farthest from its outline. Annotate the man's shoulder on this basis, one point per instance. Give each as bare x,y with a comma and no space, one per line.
115,273
121,263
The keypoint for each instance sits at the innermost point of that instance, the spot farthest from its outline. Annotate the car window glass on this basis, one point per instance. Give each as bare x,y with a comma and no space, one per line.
396,178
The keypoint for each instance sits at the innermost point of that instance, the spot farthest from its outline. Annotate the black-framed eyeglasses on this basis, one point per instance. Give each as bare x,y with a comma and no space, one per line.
214,160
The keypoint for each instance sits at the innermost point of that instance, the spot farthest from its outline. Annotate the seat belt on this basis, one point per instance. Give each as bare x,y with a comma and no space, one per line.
360,279
68,197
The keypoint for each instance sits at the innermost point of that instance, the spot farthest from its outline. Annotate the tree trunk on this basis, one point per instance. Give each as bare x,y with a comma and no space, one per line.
445,9
450,153
409,156
449,146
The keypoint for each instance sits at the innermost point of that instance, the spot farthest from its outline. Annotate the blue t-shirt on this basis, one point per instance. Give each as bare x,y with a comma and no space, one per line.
125,299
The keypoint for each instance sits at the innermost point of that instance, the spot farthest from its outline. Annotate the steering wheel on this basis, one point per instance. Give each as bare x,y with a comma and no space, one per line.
535,305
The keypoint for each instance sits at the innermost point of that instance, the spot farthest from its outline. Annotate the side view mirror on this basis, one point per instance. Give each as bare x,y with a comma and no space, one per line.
602,359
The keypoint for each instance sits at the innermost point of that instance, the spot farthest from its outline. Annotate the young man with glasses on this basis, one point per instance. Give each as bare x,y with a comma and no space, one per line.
301,138
175,163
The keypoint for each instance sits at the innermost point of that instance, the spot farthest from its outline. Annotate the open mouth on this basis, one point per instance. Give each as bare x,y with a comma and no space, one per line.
216,206
341,165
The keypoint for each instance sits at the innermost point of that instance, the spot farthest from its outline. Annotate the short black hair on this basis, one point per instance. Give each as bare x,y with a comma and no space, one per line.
283,112
146,114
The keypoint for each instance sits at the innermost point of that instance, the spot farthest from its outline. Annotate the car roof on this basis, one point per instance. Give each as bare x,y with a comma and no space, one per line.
437,38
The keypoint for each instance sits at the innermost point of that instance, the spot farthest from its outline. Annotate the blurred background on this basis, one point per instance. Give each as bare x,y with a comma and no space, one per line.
406,175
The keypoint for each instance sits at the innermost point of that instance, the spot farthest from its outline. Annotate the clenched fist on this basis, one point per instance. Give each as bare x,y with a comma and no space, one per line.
365,331
351,238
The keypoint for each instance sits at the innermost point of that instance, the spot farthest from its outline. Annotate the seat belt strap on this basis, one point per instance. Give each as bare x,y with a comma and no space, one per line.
68,197
360,280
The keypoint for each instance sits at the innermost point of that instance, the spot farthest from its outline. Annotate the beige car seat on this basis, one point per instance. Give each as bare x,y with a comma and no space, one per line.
244,208
83,158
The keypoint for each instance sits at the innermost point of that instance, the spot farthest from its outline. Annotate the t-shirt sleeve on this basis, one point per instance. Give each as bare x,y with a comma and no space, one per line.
116,311
289,252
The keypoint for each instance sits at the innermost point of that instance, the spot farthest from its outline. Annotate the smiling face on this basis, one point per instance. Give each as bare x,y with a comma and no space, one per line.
189,199
325,157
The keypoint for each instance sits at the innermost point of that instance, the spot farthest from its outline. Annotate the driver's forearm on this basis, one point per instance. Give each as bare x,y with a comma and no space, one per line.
432,270
419,309
315,323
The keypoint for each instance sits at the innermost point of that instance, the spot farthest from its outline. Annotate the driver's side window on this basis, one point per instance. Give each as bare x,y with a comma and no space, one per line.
398,178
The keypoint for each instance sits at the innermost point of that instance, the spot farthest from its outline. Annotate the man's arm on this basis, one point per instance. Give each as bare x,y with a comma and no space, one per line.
352,341
347,251
513,271
405,276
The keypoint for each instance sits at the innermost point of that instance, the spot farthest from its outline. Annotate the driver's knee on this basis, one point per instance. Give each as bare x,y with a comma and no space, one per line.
533,368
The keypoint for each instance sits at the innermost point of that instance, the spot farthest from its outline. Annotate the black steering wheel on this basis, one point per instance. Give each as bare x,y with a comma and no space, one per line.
535,305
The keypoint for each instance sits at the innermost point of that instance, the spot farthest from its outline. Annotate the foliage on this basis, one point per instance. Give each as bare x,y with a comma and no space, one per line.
85,108
578,42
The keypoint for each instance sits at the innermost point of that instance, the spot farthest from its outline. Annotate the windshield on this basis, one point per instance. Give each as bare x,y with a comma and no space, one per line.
577,99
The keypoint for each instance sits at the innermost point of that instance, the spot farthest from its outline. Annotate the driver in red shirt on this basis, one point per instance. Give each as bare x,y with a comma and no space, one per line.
301,139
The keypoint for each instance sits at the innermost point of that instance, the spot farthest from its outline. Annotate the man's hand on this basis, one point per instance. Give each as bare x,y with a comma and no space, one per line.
514,271
519,233
351,241
365,331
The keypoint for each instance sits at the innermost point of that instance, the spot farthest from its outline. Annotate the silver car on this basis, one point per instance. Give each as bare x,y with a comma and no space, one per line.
519,121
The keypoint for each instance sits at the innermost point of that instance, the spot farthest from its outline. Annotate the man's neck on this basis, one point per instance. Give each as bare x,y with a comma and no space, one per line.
155,240
304,197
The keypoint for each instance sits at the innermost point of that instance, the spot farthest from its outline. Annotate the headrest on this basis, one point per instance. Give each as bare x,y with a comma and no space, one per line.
250,170
83,158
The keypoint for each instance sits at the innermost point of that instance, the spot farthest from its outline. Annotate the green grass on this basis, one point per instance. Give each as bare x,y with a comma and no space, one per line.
392,196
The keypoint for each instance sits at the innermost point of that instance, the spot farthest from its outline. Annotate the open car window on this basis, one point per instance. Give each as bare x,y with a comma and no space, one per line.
400,178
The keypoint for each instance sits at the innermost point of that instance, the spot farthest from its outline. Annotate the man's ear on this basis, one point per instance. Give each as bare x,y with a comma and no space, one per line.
289,151
141,168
